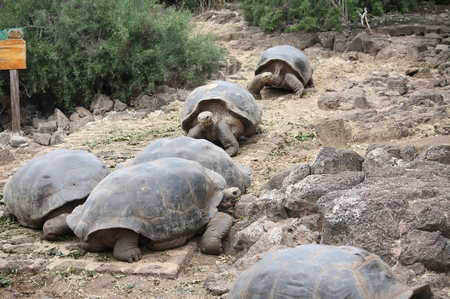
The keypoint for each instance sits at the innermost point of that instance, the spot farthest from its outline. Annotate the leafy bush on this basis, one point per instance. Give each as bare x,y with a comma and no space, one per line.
195,5
380,7
319,15
297,15
76,48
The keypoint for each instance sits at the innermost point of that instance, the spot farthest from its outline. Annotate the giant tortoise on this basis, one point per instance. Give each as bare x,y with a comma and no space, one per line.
160,204
323,271
206,153
284,67
42,192
221,111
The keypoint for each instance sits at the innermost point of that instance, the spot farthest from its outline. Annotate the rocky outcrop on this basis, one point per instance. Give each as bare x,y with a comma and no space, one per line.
392,203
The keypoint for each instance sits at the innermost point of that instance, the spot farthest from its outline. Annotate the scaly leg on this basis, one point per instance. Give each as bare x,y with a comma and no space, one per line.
216,230
255,87
56,227
197,132
126,247
226,137
293,83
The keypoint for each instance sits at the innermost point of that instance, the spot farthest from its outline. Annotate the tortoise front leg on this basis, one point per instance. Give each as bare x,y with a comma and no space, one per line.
216,230
255,86
197,132
9,216
310,83
293,83
226,137
126,246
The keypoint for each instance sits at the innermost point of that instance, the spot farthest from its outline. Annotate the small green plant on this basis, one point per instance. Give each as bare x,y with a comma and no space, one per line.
130,286
183,290
7,224
52,252
275,153
77,254
303,137
102,258
306,147
70,270
90,273
118,275
4,281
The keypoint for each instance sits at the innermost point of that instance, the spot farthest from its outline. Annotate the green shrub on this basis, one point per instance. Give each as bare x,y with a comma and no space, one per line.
76,48
271,19
195,5
297,15
315,15
380,7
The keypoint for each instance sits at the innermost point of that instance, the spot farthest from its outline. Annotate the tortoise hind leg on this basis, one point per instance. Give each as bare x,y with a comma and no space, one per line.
123,241
56,227
126,246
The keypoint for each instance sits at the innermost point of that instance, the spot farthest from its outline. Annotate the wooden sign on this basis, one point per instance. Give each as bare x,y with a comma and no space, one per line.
13,54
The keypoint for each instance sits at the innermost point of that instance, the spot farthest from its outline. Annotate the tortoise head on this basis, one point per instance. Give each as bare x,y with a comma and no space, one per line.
205,119
267,78
230,198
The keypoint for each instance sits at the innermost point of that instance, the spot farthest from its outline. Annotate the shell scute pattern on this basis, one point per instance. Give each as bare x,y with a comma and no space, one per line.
293,58
204,152
321,271
157,199
50,182
237,100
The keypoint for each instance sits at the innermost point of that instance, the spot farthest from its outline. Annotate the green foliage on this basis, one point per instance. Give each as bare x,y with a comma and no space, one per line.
312,16
319,15
296,15
77,48
271,20
380,7
4,281
195,5
303,137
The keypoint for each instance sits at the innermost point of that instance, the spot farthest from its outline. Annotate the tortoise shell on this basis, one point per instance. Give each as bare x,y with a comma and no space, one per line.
162,199
293,57
45,184
206,153
237,100
322,271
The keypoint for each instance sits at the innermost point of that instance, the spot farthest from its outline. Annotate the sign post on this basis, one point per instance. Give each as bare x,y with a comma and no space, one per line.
13,58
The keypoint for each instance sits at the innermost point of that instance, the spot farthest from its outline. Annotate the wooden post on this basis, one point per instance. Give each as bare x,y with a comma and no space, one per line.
13,58
15,101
